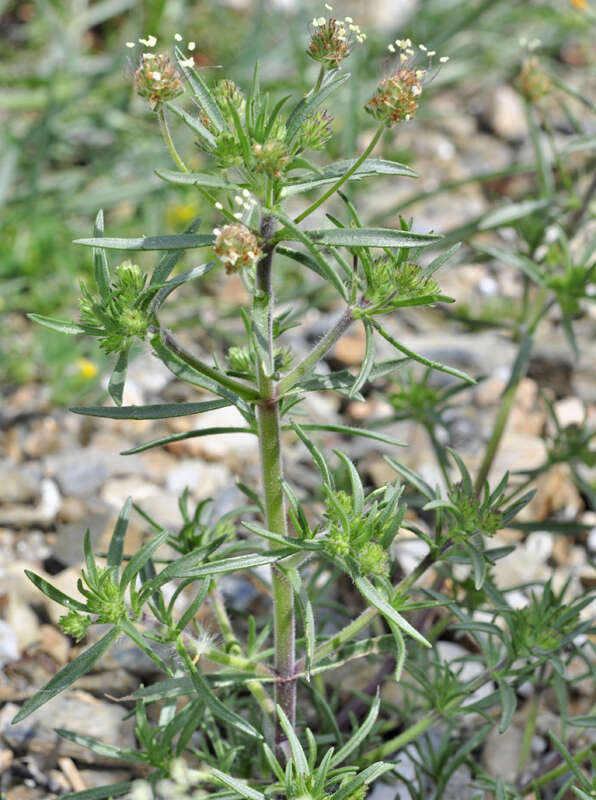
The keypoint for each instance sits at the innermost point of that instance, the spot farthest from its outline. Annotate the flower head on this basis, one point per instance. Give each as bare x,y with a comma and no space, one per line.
236,246
157,79
332,39
315,131
532,82
396,97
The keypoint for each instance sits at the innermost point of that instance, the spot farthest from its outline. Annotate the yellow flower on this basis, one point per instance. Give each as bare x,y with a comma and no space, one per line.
87,369
181,213
581,4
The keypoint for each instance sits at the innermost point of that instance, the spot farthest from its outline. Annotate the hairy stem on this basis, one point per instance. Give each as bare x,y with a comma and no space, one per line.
163,124
274,500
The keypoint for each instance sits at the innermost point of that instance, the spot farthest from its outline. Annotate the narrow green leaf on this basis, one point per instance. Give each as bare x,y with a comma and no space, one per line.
350,431
159,411
101,792
478,565
366,777
355,482
72,328
116,546
368,591
140,558
67,675
371,237
309,103
221,711
169,259
369,359
360,734
237,786
53,593
137,637
159,292
101,749
508,704
517,260
316,454
584,721
201,92
213,181
330,173
118,378
327,269
100,262
193,124
298,755
180,241
511,213
417,357
180,437
412,477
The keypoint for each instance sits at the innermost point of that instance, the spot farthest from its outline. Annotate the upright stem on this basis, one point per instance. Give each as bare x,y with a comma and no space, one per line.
274,502
163,124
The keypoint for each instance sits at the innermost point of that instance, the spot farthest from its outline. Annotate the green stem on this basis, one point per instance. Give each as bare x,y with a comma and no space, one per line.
344,177
274,501
318,352
163,124
492,446
170,342
557,772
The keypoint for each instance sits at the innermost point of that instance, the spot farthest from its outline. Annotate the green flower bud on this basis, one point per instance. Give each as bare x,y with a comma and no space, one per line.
157,79
271,158
337,543
74,624
315,131
332,39
373,559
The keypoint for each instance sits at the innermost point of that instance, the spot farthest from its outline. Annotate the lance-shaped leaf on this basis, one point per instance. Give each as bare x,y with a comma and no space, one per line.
360,734
261,322
53,593
100,262
237,786
512,213
118,377
72,328
369,359
180,241
371,237
366,777
201,92
308,104
347,430
160,292
330,173
101,749
180,437
116,546
140,558
218,708
67,675
101,792
169,260
368,591
193,124
212,181
517,260
158,411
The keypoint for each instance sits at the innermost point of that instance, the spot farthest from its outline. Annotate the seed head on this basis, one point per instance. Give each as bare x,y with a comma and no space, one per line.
396,97
75,624
157,80
236,246
373,559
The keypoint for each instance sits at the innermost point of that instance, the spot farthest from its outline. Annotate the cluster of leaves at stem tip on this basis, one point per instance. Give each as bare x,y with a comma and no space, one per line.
260,150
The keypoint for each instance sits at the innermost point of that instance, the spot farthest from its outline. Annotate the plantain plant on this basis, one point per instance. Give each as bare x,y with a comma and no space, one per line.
264,720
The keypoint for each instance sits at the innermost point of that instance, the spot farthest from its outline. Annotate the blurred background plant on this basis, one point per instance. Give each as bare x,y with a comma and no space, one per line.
68,146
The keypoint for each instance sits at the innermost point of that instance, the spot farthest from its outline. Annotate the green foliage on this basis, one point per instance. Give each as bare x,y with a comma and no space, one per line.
238,721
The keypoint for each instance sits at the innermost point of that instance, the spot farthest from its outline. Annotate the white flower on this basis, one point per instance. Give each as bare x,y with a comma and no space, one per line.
130,44
177,37
187,62
191,46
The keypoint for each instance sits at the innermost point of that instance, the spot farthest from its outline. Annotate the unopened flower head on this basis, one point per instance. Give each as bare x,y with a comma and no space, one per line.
532,81
236,246
315,131
332,40
158,80
271,158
